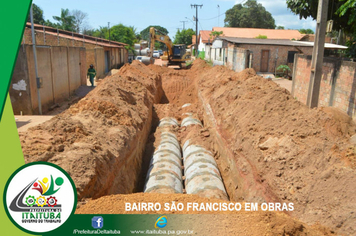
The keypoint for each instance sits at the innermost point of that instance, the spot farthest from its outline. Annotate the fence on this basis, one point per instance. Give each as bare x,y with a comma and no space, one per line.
338,83
62,70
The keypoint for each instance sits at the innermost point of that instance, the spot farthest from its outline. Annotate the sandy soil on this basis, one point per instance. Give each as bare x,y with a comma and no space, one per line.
269,147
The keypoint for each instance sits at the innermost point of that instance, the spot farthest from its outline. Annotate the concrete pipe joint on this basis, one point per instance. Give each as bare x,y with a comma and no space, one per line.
206,186
202,175
165,172
169,147
191,121
164,183
164,155
200,168
192,149
198,158
168,121
165,167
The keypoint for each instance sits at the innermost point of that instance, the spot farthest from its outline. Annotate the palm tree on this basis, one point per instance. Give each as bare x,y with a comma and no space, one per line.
66,20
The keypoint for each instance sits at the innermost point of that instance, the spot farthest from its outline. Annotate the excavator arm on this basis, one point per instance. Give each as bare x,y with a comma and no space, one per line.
161,38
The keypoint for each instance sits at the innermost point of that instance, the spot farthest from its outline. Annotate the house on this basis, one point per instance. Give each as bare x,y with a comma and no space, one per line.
204,40
263,55
63,58
103,54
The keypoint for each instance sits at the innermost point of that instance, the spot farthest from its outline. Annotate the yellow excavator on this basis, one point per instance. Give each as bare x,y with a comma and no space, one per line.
174,55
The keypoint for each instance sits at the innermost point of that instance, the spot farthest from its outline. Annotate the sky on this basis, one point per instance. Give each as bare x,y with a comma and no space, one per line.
168,14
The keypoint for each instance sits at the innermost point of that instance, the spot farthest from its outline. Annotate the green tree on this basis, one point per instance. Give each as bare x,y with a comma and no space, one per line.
102,32
342,12
51,24
215,34
145,34
123,34
306,31
89,32
137,34
65,20
184,37
249,15
309,8
349,8
280,27
37,15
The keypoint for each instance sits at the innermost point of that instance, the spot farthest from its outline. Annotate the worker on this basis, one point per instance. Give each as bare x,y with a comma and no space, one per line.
91,73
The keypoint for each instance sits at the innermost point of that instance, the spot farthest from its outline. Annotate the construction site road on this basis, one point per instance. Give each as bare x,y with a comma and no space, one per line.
268,147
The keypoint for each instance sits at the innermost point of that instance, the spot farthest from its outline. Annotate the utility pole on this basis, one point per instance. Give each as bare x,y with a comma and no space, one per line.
318,55
196,26
218,15
109,31
38,82
183,23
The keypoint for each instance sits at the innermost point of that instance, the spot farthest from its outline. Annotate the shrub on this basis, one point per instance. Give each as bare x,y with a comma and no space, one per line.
284,69
261,36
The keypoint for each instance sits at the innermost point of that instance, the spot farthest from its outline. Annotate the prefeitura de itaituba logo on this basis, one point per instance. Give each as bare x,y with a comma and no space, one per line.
42,207
46,200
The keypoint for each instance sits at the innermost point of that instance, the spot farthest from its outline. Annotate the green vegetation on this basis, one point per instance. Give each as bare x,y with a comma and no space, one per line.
216,33
184,37
76,21
284,69
249,15
309,8
145,35
342,12
306,31
37,15
121,33
201,55
261,36
349,8
65,20
209,62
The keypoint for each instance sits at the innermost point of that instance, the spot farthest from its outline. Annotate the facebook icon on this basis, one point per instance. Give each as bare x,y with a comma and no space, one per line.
97,222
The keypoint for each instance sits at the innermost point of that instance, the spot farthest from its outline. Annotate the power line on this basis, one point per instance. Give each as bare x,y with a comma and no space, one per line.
183,23
214,17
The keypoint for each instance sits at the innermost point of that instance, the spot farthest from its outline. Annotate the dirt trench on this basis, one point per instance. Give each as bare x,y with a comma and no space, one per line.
268,146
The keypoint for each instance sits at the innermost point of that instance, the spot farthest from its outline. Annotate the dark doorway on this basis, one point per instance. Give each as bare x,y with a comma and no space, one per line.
264,60
107,60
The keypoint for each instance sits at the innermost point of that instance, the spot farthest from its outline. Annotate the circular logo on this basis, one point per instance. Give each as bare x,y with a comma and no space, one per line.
161,222
39,197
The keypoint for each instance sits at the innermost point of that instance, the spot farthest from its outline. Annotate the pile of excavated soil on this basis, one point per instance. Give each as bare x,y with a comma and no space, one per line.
269,147
283,150
100,140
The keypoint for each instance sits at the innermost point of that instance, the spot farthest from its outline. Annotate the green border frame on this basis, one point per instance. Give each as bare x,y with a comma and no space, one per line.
31,164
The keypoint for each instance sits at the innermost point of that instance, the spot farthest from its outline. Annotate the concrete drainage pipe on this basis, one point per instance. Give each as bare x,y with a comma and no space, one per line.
168,121
165,172
202,176
191,121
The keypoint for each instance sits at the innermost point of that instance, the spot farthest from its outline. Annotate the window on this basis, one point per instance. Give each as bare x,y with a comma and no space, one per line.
291,56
